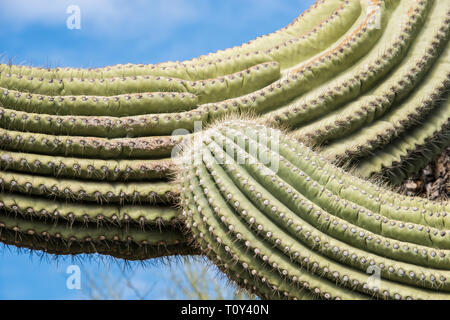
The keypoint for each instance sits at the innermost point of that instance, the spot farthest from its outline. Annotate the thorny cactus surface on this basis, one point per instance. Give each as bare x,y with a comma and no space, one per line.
86,155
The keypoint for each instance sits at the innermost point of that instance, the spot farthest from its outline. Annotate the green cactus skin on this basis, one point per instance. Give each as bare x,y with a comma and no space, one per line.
122,105
30,207
207,90
388,51
75,190
86,169
286,218
366,109
86,156
414,149
90,147
424,101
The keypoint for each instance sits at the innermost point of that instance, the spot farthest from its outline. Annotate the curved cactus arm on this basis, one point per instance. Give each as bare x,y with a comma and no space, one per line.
257,207
368,194
249,248
84,156
425,100
423,55
298,218
90,147
315,71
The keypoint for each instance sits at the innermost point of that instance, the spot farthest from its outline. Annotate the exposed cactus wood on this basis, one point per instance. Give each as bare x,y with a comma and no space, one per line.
86,155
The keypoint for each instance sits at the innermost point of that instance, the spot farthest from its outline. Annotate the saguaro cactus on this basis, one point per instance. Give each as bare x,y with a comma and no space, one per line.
86,155
305,228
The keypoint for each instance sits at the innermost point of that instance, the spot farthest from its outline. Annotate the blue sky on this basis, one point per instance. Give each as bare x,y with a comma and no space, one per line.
34,32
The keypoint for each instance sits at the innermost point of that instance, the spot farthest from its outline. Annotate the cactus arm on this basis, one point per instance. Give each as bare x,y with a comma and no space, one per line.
425,100
361,192
217,179
209,90
216,176
251,243
388,51
84,156
295,214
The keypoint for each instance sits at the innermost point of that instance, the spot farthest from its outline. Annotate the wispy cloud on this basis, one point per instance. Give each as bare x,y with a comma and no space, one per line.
103,17
140,31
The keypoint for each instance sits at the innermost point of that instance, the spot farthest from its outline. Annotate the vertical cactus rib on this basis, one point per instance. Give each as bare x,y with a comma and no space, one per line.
212,245
265,253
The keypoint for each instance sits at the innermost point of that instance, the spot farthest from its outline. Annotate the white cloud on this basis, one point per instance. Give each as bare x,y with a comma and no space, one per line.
102,17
